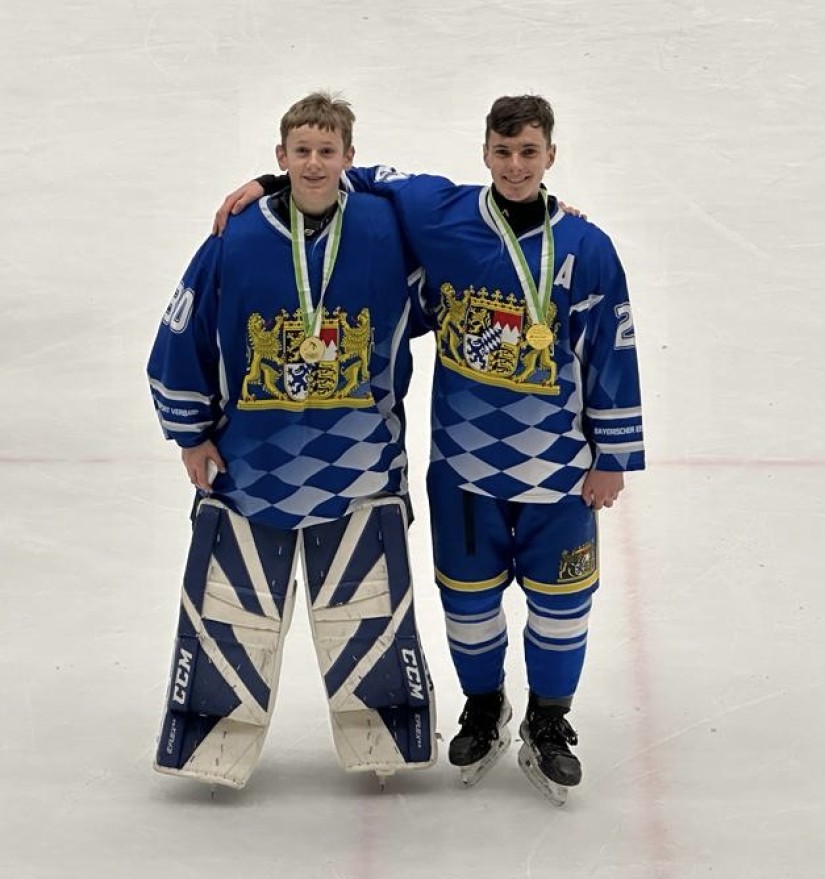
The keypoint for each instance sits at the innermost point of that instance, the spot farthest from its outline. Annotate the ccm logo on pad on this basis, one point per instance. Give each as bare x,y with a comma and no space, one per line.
410,660
183,675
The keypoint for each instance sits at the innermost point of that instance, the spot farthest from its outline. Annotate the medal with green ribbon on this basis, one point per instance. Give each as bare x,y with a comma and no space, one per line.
538,335
312,347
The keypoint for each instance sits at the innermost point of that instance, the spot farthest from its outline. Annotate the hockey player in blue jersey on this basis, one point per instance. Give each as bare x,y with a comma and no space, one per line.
536,415
279,368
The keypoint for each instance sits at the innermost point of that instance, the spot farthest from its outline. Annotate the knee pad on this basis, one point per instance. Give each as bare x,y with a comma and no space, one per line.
236,604
360,596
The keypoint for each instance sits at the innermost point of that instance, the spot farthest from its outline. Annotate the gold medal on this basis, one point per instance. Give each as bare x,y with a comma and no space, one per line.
539,336
311,349
537,296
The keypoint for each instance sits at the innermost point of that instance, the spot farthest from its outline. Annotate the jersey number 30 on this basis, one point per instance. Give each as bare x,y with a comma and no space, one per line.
179,309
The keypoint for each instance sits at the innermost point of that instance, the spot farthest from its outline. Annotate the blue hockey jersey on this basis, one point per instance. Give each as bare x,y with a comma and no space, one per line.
303,442
510,421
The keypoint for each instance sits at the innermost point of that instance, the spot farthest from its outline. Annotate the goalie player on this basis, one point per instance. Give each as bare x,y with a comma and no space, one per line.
279,368
536,417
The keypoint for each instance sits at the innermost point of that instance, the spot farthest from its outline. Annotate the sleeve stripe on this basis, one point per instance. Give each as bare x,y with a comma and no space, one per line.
177,427
609,414
187,396
613,448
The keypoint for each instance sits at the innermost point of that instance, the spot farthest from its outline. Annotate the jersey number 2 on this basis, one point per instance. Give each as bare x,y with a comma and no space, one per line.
625,335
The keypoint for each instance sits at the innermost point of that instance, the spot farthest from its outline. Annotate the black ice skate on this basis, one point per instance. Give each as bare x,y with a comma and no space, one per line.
545,757
483,736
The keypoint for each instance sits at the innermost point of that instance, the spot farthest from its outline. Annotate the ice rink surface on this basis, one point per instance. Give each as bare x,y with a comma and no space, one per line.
693,133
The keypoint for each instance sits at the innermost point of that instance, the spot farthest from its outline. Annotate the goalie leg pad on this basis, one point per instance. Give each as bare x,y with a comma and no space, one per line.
362,614
236,605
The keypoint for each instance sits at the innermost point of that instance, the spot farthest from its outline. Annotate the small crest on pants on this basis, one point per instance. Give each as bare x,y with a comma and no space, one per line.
578,563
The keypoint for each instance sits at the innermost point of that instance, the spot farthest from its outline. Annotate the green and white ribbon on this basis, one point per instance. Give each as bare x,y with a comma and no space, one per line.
312,314
537,298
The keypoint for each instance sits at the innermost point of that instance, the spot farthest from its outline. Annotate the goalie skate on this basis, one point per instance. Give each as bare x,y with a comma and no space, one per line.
382,779
483,737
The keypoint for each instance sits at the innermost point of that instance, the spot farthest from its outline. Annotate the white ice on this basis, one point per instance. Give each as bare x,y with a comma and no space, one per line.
693,133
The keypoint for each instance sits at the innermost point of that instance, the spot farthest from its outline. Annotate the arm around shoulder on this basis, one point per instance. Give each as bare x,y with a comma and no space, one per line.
239,200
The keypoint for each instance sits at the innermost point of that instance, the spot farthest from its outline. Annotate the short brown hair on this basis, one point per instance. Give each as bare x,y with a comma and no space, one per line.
320,110
509,115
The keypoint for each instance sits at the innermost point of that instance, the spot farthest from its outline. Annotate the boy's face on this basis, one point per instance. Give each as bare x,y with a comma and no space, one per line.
314,160
518,163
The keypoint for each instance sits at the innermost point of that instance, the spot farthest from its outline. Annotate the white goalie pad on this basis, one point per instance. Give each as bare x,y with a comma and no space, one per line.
236,605
360,596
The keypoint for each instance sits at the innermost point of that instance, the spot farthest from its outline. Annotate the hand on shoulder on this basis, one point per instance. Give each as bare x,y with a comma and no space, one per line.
234,203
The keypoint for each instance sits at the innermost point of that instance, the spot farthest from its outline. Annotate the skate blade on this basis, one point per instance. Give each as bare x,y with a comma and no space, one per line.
382,778
551,790
473,773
